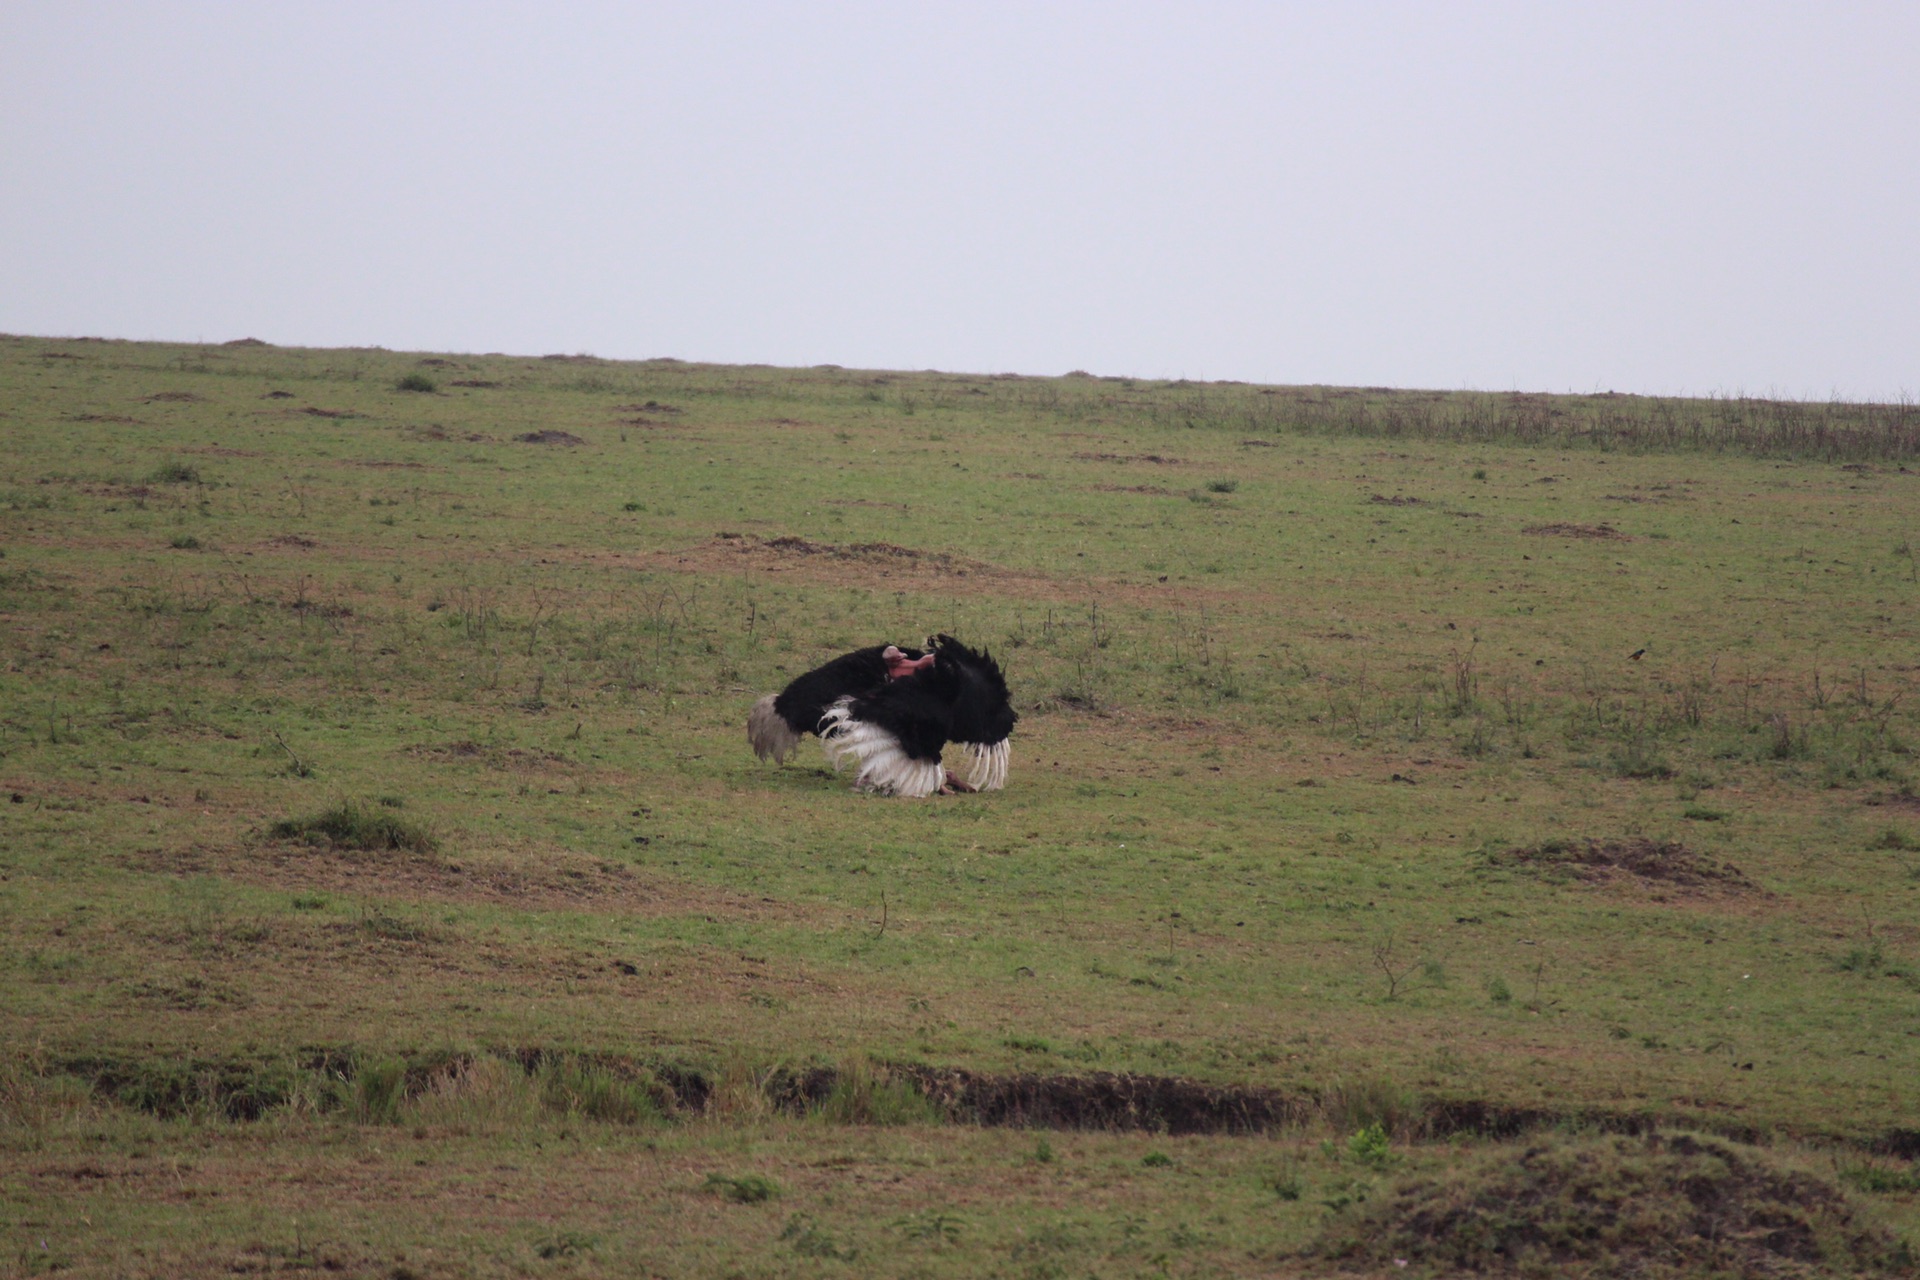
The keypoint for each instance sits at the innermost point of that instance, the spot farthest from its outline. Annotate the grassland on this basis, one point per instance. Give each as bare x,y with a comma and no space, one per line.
389,889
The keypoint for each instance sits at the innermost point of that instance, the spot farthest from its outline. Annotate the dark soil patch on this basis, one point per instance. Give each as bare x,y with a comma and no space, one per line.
1651,861
1650,1205
1107,1101
313,412
1152,490
885,551
498,757
1396,501
651,406
473,382
173,397
278,395
294,540
1155,458
550,436
441,434
105,417
1575,531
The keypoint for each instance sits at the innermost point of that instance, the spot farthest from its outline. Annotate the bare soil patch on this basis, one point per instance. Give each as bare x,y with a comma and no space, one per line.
497,757
789,548
1576,531
1155,458
441,435
1647,861
550,435
173,397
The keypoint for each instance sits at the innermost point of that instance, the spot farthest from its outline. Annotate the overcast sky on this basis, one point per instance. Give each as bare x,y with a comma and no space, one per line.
1663,197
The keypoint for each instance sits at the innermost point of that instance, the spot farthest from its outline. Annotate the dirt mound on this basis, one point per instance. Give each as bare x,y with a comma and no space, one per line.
550,435
1653,1205
1598,861
1575,531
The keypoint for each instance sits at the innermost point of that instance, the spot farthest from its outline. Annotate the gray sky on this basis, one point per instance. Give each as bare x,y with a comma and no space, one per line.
1660,197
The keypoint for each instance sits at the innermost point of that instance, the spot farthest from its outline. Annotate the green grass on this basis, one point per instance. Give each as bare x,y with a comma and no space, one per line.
416,798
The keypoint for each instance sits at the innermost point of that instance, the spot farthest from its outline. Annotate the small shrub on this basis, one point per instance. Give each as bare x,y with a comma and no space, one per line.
1891,838
810,1240
1156,1160
938,1228
1222,486
749,1188
1371,1147
176,473
1867,960
565,1244
1700,813
185,542
1498,991
349,826
1286,1184
416,382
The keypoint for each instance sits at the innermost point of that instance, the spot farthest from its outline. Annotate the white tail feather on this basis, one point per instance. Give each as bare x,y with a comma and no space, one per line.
987,770
881,764
769,734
